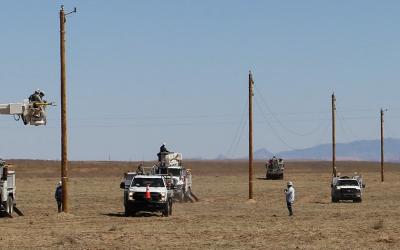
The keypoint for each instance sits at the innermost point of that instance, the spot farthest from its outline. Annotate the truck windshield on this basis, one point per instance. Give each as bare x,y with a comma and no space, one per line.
174,171
152,182
347,183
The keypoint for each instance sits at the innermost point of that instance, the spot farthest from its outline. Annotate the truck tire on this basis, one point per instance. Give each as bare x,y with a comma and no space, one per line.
10,205
170,208
357,200
167,209
127,212
334,200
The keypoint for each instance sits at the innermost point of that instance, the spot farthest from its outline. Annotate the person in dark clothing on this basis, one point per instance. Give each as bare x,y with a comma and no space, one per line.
37,96
163,148
58,196
163,151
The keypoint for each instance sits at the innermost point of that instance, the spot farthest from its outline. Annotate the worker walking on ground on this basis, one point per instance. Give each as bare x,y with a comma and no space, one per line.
58,196
289,194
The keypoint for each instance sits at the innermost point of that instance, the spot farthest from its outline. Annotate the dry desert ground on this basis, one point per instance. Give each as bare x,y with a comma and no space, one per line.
222,219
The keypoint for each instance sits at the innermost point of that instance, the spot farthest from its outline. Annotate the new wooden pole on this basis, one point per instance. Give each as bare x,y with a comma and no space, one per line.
64,132
382,156
334,173
251,83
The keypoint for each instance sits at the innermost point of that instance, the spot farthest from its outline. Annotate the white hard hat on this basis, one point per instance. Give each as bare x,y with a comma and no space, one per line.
59,183
163,143
290,183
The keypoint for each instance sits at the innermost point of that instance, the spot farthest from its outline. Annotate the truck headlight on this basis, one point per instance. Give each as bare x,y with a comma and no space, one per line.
163,196
130,195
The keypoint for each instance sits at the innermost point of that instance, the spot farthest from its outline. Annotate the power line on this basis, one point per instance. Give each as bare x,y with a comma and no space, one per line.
272,128
314,130
239,129
347,129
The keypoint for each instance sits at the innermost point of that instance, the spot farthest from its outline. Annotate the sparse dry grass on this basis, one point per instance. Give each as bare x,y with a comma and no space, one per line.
223,219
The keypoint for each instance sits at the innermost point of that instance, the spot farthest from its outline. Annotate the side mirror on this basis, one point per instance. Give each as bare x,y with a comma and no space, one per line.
331,185
363,185
122,185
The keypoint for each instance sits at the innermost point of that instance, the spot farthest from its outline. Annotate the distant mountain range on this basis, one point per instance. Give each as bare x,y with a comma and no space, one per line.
364,150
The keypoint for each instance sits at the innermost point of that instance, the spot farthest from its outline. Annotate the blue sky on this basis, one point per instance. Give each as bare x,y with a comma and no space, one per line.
145,72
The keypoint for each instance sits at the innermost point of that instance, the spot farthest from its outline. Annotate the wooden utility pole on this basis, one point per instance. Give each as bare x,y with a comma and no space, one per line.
251,83
64,132
334,173
382,159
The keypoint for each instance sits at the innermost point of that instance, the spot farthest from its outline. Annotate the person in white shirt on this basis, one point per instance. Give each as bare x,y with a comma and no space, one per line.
289,194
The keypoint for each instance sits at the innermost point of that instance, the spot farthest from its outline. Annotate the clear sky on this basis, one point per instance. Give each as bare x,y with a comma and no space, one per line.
141,73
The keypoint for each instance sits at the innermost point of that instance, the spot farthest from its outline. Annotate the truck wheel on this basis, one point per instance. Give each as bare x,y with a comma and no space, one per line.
127,213
357,200
167,209
10,205
334,200
170,208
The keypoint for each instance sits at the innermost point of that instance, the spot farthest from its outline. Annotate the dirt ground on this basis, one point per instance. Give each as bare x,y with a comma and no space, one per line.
222,219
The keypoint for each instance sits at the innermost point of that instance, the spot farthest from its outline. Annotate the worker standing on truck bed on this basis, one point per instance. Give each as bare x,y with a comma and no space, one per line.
289,194
58,195
163,148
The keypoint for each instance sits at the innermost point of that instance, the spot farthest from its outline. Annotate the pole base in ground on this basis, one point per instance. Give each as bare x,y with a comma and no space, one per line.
251,201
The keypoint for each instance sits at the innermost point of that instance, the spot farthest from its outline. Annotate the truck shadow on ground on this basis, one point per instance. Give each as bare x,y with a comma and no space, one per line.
121,214
263,178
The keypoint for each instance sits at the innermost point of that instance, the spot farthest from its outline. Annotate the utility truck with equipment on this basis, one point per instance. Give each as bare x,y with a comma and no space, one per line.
347,188
170,163
275,168
31,112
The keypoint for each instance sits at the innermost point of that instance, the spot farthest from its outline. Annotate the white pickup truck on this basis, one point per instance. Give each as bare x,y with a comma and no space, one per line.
347,188
148,193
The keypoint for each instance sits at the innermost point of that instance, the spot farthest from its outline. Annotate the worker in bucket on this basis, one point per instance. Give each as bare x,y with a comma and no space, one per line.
289,194
58,196
37,97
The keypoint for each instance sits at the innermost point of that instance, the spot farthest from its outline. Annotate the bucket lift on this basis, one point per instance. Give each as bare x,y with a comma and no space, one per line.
32,113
